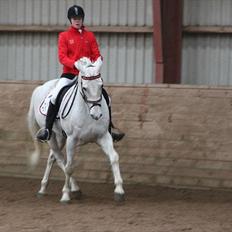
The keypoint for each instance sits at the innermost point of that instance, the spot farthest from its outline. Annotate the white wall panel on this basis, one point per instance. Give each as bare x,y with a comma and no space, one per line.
122,57
207,12
105,13
98,12
33,56
207,60
4,53
28,56
131,43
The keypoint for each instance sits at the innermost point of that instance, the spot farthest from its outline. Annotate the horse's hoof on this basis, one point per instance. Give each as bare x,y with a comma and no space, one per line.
119,197
40,195
65,202
77,195
65,199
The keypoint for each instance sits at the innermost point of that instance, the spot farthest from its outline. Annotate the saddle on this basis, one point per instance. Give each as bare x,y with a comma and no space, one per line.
66,94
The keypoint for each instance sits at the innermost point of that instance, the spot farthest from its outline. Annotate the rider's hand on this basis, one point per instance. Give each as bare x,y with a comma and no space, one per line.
82,64
85,61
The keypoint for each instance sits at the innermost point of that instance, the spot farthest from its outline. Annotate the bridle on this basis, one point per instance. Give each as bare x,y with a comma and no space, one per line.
94,103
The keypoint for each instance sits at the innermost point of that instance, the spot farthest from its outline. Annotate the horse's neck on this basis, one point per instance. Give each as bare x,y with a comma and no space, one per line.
81,119
83,106
80,100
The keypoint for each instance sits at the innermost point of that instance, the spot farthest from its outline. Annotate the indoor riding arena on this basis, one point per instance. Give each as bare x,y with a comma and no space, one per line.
167,68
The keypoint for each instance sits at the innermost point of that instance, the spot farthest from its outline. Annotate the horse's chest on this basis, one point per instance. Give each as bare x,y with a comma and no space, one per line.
91,131
95,129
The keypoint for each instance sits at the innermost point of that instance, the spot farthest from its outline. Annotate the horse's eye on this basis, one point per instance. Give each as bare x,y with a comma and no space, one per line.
84,89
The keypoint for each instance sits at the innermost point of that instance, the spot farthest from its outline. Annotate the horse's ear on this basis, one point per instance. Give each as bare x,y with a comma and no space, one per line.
79,65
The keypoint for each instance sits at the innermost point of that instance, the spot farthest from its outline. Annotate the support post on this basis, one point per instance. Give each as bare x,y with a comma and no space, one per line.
167,40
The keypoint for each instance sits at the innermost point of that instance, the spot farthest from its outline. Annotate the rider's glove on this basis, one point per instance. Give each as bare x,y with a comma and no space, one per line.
82,63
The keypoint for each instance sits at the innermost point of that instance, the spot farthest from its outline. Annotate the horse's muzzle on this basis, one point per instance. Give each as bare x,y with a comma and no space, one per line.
96,117
96,112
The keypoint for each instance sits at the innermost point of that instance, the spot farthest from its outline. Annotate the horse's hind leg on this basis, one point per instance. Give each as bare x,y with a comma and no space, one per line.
44,182
51,160
76,192
106,144
56,151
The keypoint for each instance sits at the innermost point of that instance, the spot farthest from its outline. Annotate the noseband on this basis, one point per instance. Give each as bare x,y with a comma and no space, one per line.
91,78
94,103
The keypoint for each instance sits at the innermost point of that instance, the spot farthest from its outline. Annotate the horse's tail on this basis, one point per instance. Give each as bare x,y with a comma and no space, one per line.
33,128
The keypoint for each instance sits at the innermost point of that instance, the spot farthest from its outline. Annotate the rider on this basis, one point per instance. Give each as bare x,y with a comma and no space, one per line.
74,44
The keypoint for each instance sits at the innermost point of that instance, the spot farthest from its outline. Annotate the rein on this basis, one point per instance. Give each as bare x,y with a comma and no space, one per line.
73,92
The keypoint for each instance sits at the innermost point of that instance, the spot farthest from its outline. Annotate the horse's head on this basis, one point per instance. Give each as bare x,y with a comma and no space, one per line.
91,85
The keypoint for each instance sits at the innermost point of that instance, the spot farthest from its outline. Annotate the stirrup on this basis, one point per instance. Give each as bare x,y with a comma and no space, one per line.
43,135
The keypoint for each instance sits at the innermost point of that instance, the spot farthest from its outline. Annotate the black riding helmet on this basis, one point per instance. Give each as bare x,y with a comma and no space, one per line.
76,11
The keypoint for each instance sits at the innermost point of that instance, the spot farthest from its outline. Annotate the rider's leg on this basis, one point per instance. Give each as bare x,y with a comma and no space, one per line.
45,133
115,133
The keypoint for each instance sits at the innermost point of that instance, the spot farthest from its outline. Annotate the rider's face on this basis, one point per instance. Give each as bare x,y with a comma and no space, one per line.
77,22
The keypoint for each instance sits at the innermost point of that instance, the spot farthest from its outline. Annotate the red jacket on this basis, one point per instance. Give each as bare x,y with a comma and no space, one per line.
72,45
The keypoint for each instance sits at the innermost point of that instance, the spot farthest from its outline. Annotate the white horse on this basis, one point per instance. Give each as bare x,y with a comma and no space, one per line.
86,122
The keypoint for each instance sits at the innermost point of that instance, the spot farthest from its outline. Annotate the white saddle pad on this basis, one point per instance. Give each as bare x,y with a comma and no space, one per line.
45,104
65,106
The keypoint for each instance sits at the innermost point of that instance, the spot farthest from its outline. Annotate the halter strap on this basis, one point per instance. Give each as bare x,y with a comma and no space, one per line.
91,78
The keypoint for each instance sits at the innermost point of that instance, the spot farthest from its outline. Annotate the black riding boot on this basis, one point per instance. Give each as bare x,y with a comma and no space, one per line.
45,133
115,133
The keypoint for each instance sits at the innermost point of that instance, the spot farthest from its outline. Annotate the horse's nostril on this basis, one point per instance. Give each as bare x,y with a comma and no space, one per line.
94,117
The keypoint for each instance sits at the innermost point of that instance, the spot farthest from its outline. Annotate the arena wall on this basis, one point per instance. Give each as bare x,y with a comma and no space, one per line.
175,136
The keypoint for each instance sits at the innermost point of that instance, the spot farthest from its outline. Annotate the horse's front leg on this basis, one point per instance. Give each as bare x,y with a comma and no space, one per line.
68,170
106,144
